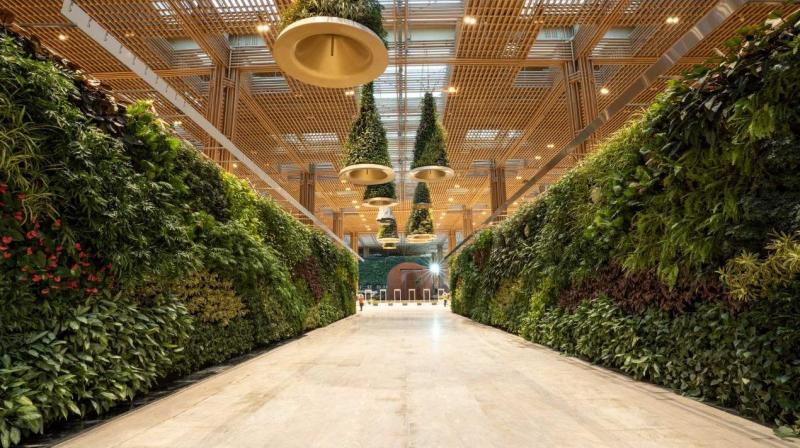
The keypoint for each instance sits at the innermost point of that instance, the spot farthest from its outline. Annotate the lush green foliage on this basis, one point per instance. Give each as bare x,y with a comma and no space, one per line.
365,12
367,141
419,222
429,146
386,190
125,257
388,231
422,195
626,260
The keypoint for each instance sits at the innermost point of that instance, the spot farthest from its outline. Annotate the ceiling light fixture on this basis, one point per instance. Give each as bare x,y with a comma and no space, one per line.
538,157
457,186
235,165
672,20
470,20
550,146
604,91
452,89
519,177
262,27
62,37
177,123
350,92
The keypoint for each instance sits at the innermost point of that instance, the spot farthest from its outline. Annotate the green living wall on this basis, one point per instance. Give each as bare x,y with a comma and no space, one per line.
672,253
126,257
373,271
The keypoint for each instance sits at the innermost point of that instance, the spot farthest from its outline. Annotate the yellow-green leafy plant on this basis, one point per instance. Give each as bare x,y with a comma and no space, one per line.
750,277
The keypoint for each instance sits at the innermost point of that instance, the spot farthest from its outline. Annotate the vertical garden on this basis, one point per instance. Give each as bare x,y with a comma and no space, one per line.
673,252
126,257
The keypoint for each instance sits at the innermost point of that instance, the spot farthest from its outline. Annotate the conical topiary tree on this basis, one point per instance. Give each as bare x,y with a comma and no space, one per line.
365,12
381,195
367,149
430,151
422,196
420,226
388,233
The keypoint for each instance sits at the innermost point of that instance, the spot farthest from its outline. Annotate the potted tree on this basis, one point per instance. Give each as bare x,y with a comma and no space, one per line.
332,43
367,150
430,152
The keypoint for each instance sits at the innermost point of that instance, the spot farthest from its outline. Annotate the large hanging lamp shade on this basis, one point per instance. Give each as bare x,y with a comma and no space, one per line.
388,234
422,196
382,195
420,227
367,150
332,43
430,151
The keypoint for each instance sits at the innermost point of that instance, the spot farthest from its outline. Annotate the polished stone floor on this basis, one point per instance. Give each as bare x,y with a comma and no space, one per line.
422,377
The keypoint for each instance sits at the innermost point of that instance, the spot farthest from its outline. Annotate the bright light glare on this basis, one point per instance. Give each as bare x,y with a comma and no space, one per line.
435,268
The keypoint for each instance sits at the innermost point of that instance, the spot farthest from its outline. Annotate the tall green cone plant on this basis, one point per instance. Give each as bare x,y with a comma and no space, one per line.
420,222
388,231
367,141
429,146
386,190
422,196
365,12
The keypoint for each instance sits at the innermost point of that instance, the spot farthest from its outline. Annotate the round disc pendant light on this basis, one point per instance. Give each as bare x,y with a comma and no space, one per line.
430,152
367,149
332,43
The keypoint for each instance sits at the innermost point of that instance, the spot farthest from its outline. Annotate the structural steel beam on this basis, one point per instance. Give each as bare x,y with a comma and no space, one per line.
99,34
704,27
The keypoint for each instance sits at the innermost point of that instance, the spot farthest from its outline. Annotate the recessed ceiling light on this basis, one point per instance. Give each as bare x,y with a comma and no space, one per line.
350,92
538,157
358,207
457,186
470,20
235,165
177,123
672,20
550,146
483,213
262,27
342,181
347,189
62,37
604,91
452,89
354,201
130,34
519,177
449,199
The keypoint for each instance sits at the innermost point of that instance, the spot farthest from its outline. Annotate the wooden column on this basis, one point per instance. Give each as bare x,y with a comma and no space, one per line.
308,188
467,226
451,240
354,241
223,97
338,224
497,188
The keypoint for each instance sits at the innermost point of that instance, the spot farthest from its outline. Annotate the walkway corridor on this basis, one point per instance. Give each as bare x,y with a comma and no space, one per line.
421,377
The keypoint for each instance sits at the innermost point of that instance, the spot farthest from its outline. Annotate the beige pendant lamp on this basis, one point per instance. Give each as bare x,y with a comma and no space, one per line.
430,152
332,43
389,246
367,159
419,229
385,216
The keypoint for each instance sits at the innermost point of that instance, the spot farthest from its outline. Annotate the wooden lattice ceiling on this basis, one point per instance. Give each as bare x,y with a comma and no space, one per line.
514,79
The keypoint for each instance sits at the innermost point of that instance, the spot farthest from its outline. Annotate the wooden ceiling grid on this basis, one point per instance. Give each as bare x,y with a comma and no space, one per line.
519,73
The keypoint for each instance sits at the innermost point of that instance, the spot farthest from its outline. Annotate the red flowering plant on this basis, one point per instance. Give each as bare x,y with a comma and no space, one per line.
31,252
